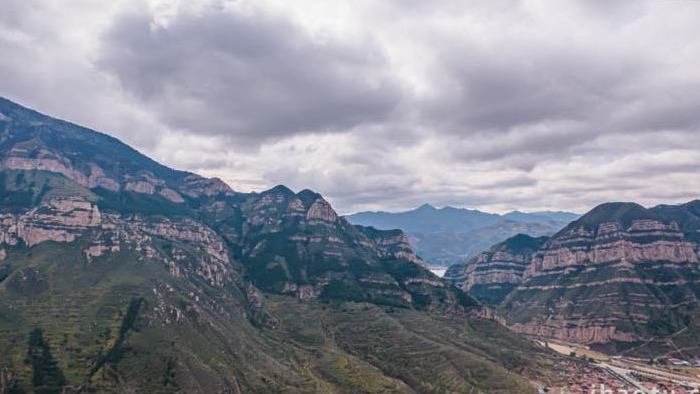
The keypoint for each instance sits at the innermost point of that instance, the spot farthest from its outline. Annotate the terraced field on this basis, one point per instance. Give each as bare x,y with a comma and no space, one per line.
372,347
184,336
79,326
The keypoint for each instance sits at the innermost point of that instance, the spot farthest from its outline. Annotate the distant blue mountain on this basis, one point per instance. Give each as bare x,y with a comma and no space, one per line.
446,236
542,216
426,218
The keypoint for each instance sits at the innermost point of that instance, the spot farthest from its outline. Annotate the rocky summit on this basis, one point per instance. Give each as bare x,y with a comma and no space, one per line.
118,274
622,277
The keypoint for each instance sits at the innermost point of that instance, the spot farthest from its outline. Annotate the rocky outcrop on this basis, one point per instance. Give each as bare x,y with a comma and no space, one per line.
62,220
321,210
394,243
173,275
171,195
620,273
197,186
48,161
643,241
91,159
192,247
124,202
324,256
140,187
94,177
185,246
491,275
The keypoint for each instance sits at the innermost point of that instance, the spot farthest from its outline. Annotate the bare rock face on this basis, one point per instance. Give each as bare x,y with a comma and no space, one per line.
193,247
171,195
491,275
326,257
295,208
612,243
632,278
43,159
98,178
94,176
8,380
285,242
394,243
302,292
256,301
198,186
489,269
95,161
140,187
321,210
61,220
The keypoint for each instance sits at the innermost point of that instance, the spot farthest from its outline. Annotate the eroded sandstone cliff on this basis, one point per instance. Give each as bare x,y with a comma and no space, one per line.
620,273
493,274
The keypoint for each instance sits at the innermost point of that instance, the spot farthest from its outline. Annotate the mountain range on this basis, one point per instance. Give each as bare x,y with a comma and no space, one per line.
446,236
622,278
119,274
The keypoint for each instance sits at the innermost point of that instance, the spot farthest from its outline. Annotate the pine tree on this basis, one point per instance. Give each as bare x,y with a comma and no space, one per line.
47,377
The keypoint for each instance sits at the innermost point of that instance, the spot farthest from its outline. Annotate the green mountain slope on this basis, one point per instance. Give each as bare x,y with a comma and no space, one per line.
134,277
186,336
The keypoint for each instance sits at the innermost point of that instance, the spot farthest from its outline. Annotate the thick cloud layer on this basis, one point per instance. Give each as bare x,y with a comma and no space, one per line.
253,77
382,105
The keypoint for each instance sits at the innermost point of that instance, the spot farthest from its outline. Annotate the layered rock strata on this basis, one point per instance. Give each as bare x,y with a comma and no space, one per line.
192,246
632,278
492,275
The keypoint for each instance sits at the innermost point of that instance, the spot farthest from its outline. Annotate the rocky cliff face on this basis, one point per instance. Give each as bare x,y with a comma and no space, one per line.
147,279
61,220
295,243
193,248
30,141
492,275
620,273
392,243
105,193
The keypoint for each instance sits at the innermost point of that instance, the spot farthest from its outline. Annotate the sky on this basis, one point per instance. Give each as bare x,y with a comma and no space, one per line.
381,105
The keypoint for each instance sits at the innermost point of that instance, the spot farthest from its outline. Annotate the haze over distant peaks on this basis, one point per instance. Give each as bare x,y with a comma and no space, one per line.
449,235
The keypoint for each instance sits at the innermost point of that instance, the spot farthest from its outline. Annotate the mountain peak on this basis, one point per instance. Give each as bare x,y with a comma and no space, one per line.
85,217
308,196
521,242
621,212
279,189
448,235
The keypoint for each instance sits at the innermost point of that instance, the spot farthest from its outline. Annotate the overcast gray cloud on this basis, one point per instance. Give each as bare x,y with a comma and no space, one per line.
382,105
247,75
